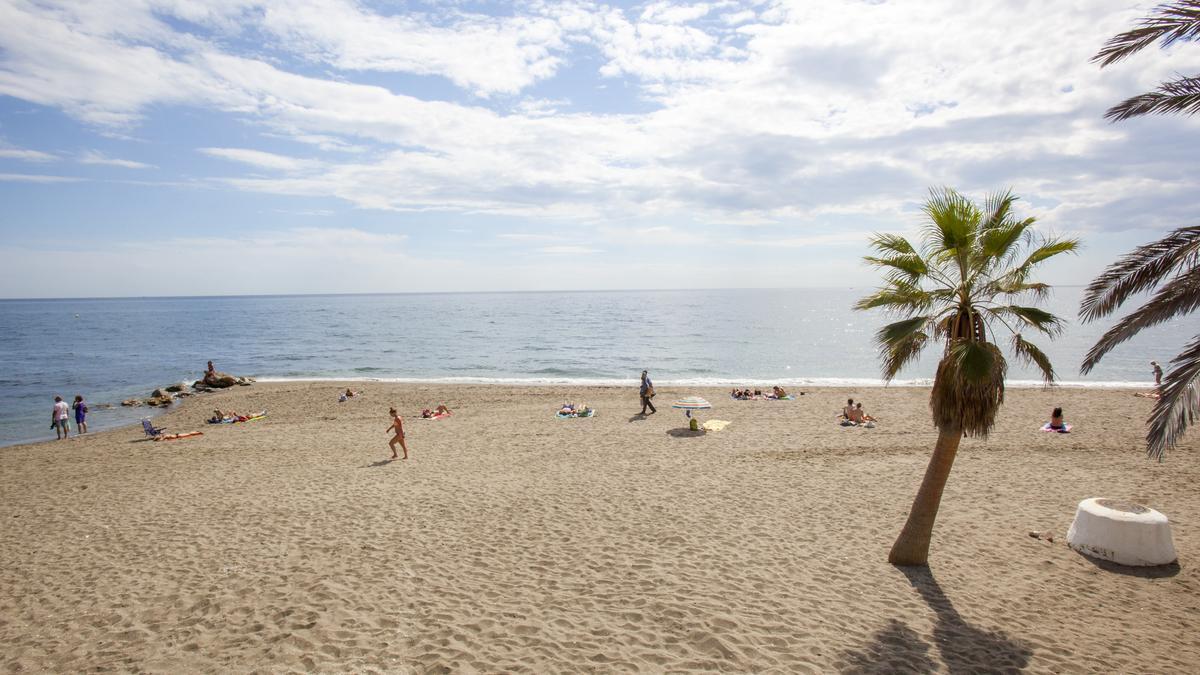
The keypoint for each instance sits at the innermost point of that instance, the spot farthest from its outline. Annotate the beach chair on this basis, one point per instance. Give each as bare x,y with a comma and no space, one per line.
150,429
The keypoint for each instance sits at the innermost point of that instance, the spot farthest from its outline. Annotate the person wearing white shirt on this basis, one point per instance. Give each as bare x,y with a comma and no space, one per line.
58,419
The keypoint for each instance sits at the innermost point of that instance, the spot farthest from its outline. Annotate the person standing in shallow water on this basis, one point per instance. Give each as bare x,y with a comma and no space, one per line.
398,427
58,418
646,391
81,411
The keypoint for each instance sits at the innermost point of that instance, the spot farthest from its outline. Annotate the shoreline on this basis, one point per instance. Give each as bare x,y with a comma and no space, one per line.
715,393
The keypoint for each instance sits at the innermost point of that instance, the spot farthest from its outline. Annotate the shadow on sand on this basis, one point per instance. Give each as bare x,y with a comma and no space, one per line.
963,648
1156,572
382,462
896,648
684,432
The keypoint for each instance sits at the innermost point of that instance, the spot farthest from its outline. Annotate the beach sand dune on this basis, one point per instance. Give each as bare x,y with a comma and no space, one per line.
515,541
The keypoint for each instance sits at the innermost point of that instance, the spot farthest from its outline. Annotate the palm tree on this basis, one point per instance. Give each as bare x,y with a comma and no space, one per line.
1176,255
1169,23
973,269
1172,264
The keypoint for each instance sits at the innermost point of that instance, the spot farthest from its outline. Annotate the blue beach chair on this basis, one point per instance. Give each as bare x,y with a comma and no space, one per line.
150,429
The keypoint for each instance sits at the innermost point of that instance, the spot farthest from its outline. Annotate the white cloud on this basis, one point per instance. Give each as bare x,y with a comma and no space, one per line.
36,178
93,157
27,155
258,158
766,116
568,250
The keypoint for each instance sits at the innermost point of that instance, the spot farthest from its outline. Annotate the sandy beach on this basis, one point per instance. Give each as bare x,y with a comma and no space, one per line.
515,541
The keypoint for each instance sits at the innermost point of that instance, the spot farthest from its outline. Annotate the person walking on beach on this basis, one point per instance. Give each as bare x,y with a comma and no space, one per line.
1157,373
647,392
58,418
81,411
398,427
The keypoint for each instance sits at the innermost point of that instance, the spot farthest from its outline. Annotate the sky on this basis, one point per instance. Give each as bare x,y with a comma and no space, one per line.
180,147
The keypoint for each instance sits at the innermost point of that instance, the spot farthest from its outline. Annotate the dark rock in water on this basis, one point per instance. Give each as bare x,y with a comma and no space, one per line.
131,403
158,401
219,380
199,385
159,393
176,388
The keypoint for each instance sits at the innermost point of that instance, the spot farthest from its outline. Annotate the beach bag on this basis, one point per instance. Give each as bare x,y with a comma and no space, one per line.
650,391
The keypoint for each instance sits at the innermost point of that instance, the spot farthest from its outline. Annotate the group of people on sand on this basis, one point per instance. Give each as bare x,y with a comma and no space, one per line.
748,395
853,415
60,417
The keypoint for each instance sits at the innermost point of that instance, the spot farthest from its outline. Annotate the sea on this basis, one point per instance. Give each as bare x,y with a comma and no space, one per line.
108,350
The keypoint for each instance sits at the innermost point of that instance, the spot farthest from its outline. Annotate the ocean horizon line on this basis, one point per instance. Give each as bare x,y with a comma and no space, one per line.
368,294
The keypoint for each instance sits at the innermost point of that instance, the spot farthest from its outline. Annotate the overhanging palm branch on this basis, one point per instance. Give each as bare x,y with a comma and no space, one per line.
1168,23
1140,271
1178,403
1172,266
1180,96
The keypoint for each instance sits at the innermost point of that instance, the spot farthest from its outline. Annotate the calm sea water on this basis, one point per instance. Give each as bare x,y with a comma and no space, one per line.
112,349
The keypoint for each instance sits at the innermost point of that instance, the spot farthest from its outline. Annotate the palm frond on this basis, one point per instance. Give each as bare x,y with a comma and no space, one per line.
953,223
1050,248
1030,354
1178,297
1140,270
1178,403
901,352
1171,22
969,387
893,243
898,297
1000,238
910,265
1180,96
997,207
1033,317
899,331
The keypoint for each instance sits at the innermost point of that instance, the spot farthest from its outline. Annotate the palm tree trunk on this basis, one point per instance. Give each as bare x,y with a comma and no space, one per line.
912,546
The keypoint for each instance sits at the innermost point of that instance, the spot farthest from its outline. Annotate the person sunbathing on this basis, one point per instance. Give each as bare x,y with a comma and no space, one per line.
1056,420
442,410
863,417
779,392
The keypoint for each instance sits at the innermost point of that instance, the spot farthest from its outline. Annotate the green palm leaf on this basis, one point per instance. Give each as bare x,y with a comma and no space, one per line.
1142,269
1178,403
1169,23
1029,353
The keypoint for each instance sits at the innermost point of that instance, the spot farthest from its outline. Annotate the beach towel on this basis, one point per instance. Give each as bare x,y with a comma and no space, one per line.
715,425
584,413
1146,394
1066,428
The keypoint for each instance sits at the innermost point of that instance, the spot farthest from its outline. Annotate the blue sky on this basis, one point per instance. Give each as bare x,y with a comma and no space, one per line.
175,147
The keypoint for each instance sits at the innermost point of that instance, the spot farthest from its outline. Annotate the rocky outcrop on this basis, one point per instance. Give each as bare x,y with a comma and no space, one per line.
176,388
131,402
